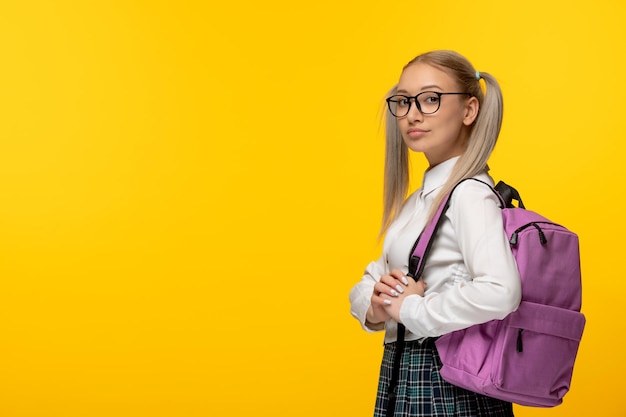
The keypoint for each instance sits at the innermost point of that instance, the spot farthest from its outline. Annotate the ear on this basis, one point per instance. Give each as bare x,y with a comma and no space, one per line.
471,111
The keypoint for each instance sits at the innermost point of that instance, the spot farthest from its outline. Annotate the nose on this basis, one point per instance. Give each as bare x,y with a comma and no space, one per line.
414,114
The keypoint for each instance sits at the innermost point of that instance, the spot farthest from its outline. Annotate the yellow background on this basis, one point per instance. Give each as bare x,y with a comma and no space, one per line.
189,190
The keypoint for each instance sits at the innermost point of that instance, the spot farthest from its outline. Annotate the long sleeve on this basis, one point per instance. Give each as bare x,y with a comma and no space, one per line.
483,285
361,293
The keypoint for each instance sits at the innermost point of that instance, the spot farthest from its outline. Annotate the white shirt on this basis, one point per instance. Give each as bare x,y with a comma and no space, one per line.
470,273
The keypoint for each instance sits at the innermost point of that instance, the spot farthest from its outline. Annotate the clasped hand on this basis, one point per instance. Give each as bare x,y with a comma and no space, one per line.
388,295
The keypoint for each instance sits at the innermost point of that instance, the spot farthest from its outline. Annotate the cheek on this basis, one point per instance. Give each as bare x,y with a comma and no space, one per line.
402,125
451,125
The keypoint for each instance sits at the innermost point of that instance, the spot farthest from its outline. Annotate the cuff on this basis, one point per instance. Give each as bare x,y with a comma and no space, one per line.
360,313
408,313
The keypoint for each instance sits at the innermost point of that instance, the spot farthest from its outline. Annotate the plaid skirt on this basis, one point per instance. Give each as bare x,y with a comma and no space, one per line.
422,392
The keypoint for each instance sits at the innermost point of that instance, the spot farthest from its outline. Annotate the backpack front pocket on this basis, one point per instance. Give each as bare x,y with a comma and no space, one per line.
537,350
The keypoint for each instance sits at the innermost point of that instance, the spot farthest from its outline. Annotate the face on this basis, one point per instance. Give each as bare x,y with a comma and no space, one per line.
443,134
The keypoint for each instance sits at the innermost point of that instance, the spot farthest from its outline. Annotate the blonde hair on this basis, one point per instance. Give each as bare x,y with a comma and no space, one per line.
483,136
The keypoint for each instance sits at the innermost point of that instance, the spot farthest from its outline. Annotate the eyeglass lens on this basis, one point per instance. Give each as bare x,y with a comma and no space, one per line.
427,102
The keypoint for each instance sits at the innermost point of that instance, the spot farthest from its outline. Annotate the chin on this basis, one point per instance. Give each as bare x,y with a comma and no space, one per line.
416,146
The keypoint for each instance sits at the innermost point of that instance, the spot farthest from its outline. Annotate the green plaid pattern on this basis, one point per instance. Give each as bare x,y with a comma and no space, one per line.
422,392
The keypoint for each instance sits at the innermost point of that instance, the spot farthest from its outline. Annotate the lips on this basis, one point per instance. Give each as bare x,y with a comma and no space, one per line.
416,133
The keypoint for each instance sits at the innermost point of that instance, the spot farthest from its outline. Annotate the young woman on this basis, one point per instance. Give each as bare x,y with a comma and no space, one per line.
438,108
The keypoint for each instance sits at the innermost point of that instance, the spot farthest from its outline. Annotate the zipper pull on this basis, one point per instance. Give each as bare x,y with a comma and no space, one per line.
542,236
520,347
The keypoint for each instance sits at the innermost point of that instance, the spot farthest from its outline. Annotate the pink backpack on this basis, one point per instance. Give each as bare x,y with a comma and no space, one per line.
528,357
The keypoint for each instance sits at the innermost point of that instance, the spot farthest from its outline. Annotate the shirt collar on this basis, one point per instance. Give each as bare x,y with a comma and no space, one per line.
436,176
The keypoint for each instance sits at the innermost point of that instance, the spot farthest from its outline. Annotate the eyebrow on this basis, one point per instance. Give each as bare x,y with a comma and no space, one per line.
424,88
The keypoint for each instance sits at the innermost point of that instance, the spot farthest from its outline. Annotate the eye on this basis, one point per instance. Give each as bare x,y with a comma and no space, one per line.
400,101
429,98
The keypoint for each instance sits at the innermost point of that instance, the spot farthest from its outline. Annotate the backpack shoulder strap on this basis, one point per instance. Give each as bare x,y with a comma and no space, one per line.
424,241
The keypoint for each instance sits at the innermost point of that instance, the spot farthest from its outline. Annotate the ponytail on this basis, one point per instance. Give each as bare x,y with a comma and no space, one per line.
481,142
396,180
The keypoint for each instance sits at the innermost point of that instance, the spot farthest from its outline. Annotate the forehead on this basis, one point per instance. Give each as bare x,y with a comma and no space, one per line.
419,76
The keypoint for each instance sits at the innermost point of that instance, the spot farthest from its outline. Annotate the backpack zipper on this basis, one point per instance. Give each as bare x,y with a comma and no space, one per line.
542,236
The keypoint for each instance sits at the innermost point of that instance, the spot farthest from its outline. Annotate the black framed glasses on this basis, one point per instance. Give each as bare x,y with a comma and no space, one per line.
427,102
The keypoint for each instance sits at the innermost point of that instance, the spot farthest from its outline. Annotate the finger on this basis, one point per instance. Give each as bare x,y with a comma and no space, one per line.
393,284
383,288
396,273
400,276
386,300
383,300
390,281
